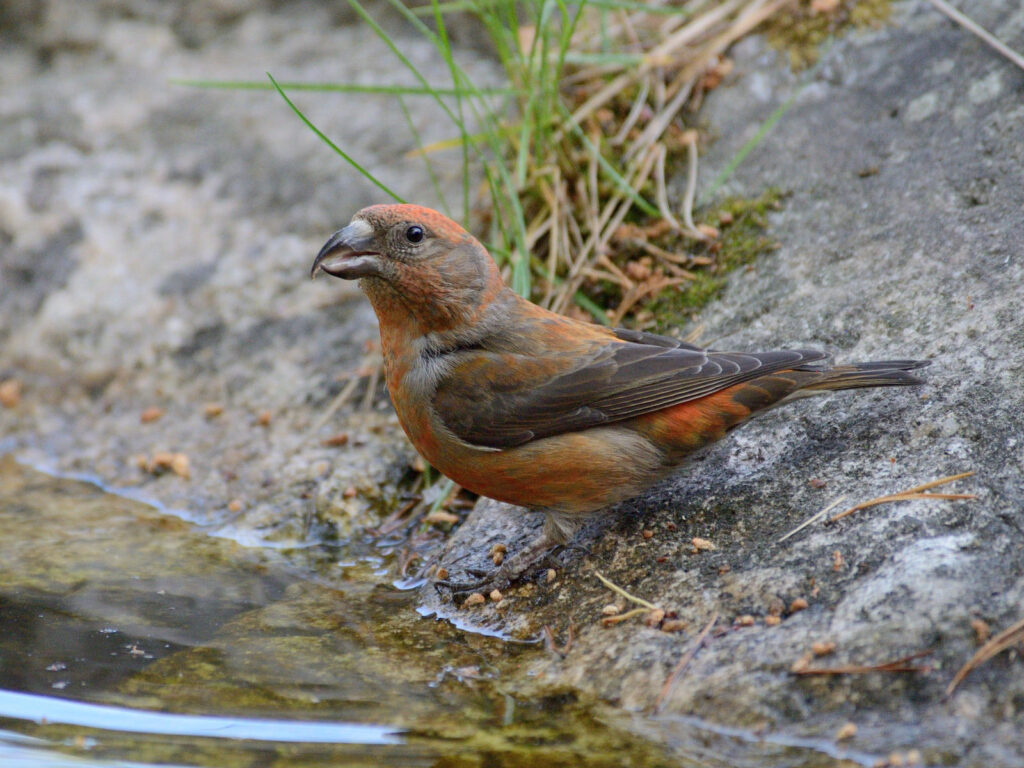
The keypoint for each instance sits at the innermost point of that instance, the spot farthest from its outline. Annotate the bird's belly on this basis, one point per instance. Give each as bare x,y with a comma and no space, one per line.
575,473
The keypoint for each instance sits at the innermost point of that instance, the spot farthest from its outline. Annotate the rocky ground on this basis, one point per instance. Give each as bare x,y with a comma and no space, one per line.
155,241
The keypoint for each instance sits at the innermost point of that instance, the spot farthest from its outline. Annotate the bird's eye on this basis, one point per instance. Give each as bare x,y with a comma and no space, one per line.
414,234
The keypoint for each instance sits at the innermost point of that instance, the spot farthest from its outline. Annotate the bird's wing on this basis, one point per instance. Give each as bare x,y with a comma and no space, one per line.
504,400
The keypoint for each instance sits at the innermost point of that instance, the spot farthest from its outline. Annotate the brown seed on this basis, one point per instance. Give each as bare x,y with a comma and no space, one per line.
816,483
673,625
264,418
772,620
349,492
982,630
838,563
724,569
823,647
550,576
235,505
655,617
846,731
702,545
180,465
647,533
802,663
475,599
746,620
611,610
797,605
213,410
151,414
335,441
10,393
440,517
442,573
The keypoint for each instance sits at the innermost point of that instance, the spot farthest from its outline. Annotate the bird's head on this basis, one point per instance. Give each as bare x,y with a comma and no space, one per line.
437,269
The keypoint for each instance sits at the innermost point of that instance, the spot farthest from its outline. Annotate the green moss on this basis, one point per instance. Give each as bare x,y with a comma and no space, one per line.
800,30
742,223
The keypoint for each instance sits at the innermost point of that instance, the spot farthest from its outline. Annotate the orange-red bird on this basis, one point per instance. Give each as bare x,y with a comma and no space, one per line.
526,406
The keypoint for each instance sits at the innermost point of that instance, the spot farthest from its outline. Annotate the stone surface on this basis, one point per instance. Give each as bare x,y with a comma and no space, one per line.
156,246
903,237
155,241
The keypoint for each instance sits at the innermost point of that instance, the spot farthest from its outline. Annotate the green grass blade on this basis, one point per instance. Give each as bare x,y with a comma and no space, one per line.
609,170
383,90
434,181
344,155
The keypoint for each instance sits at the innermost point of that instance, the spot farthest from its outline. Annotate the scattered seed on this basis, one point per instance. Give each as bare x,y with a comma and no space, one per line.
982,631
797,605
440,517
10,393
550,576
349,492
702,545
802,663
418,464
823,648
264,417
235,505
335,441
838,563
495,596
213,410
771,620
497,553
442,573
815,482
611,610
655,617
475,599
673,625
180,465
846,731
647,533
724,569
151,414
746,620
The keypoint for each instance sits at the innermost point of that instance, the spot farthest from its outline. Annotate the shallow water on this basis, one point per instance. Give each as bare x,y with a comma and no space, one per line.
131,637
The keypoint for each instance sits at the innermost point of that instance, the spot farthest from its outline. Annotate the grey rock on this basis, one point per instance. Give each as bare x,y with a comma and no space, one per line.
924,259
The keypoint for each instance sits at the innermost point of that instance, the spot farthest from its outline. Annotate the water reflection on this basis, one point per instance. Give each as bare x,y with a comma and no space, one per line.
131,638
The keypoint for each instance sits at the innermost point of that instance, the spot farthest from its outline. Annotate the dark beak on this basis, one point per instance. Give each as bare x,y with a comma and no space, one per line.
347,255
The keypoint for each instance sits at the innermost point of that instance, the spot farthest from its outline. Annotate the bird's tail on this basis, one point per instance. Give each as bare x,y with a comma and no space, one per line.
881,373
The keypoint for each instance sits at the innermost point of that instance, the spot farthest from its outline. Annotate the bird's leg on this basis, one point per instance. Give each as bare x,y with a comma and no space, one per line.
558,529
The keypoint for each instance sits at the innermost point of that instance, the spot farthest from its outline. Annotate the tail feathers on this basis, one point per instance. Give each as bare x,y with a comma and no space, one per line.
881,373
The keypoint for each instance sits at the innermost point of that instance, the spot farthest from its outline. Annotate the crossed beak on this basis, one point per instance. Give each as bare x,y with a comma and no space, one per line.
347,254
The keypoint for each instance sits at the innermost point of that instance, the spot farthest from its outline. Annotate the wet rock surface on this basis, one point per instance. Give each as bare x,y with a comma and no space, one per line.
155,241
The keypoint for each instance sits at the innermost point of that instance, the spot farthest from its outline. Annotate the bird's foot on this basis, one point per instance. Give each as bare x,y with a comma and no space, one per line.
508,573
